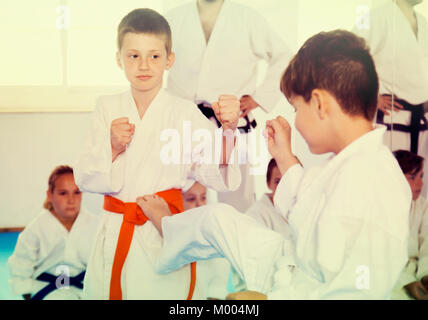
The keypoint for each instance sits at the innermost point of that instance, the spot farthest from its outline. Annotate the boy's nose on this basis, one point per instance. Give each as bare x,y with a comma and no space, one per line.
143,65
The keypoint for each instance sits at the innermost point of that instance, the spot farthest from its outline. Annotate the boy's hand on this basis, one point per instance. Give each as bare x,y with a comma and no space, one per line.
246,295
227,111
121,132
247,104
155,208
279,143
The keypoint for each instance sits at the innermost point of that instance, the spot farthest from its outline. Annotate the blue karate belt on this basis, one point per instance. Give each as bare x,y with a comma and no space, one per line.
418,122
76,281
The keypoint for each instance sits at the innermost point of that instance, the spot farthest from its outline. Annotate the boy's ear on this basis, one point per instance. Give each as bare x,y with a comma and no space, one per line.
170,61
321,102
119,63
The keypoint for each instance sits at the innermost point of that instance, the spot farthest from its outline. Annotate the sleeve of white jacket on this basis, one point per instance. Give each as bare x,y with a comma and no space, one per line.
423,246
94,170
287,189
219,230
267,45
22,263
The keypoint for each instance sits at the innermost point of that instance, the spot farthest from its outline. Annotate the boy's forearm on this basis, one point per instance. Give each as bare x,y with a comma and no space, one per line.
227,147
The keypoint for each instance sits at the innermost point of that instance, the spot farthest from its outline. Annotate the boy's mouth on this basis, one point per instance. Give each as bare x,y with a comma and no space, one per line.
144,77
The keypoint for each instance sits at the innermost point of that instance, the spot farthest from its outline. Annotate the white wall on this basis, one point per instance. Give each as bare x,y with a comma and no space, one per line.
31,145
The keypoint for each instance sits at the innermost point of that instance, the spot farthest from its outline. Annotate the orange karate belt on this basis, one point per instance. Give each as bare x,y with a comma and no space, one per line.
133,215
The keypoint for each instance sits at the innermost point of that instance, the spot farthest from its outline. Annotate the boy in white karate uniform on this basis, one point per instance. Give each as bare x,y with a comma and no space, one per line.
349,218
52,252
124,158
214,38
264,210
413,281
398,39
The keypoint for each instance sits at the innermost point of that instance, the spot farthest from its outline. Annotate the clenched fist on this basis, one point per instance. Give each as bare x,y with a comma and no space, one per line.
279,143
227,110
121,132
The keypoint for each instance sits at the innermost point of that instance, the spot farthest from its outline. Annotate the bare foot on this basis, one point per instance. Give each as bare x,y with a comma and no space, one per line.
246,295
155,208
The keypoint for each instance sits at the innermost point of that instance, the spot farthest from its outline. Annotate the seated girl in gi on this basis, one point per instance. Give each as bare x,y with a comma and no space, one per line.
52,252
264,210
413,281
126,156
349,217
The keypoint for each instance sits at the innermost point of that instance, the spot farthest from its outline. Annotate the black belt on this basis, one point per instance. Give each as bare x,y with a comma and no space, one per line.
209,113
51,279
418,123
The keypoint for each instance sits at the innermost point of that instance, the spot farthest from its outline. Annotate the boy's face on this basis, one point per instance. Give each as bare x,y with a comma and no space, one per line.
416,183
143,57
308,123
275,177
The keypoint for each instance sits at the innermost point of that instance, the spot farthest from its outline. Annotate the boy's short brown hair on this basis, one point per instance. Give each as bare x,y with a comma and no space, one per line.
339,62
145,21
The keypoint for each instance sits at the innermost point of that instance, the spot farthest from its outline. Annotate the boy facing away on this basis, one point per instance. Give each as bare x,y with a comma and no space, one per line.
124,158
349,218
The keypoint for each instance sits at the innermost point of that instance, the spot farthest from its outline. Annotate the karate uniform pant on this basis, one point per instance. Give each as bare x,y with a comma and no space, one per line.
218,230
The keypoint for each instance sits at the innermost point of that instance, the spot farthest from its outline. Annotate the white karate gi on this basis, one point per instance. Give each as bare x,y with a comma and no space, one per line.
401,61
265,212
226,65
417,265
139,171
45,245
349,220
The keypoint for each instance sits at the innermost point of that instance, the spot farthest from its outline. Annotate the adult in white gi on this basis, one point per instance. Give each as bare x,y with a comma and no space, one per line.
398,39
163,153
218,45
413,281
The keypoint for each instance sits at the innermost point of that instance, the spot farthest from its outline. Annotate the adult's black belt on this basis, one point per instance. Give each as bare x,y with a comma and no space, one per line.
418,123
76,281
209,113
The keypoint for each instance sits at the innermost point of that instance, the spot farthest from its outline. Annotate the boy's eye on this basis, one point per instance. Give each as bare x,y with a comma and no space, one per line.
190,199
134,56
155,56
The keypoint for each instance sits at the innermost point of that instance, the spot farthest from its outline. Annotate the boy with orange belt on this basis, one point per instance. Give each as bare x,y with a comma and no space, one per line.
124,158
